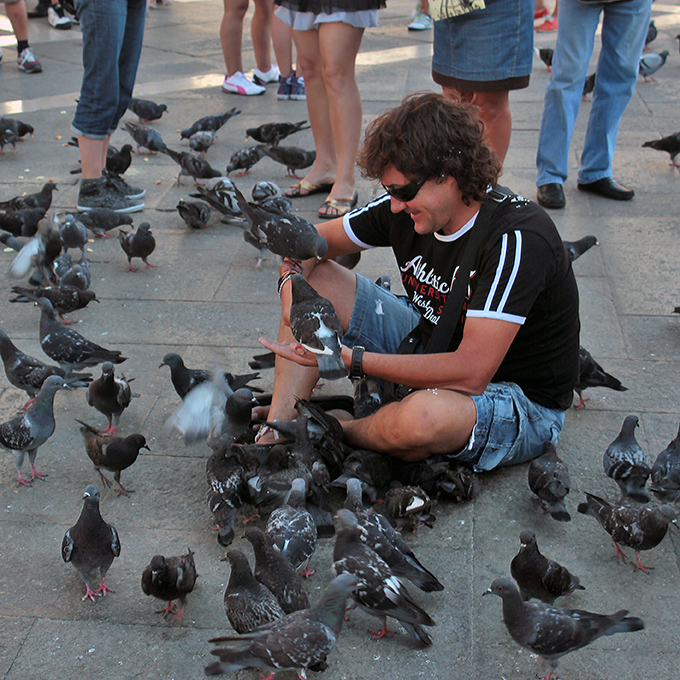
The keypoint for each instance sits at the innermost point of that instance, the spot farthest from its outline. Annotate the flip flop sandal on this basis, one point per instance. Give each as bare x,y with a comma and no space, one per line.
341,205
308,187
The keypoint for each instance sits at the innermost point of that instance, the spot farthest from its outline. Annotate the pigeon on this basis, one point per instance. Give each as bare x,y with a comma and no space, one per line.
140,243
650,63
316,326
17,127
91,545
546,55
145,137
551,632
378,591
666,473
627,464
261,362
576,248
244,159
77,275
38,254
73,234
438,476
652,32
29,374
637,527
588,86
299,641
7,136
670,144
226,490
146,110
170,578
273,133
28,431
291,529
292,157
379,535
209,123
373,471
274,571
117,160
110,395
22,222
42,199
201,141
195,214
100,221
549,480
196,167
66,346
409,507
221,197
247,603
591,374
64,298
263,190
111,453
537,576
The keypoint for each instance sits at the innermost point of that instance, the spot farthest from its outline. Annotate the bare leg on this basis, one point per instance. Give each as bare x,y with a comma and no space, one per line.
231,31
282,39
92,156
261,33
16,13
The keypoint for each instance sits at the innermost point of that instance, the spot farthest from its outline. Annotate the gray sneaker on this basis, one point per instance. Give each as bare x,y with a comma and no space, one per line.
98,193
121,186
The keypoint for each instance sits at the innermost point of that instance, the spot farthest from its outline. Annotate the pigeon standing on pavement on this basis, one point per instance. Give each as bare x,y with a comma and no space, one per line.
247,603
201,141
670,144
549,480
41,199
73,234
315,325
299,641
111,453
22,222
588,86
170,578
591,374
244,159
627,464
292,157
273,133
146,110
38,254
91,545
209,123
551,632
650,63
110,395
196,214
576,248
546,55
100,221
666,473
537,576
146,138
19,128
191,165
64,298
409,507
637,527
140,243
226,490
652,32
66,346
28,431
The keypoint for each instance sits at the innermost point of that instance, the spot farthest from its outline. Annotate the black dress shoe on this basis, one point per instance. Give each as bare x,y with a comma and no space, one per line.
609,188
550,196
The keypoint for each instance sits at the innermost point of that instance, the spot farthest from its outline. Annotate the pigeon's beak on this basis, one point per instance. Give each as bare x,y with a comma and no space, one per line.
675,521
96,300
487,592
162,364
145,447
224,559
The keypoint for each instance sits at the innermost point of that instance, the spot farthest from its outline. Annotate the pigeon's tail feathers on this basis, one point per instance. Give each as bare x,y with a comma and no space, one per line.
78,379
23,262
626,624
424,579
417,632
331,367
231,660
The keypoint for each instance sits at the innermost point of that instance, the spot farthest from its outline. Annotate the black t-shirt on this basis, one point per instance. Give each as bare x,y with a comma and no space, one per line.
524,276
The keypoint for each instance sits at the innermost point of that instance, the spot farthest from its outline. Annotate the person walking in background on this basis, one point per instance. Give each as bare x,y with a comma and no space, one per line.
624,29
291,85
421,19
480,56
18,17
549,24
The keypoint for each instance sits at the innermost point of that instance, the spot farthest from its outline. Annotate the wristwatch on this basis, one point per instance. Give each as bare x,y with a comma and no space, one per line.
356,369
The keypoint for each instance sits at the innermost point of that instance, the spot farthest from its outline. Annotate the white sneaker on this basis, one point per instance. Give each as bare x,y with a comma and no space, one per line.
241,84
57,17
266,77
422,22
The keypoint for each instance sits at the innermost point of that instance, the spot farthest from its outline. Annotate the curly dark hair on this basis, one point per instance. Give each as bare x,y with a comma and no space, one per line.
431,136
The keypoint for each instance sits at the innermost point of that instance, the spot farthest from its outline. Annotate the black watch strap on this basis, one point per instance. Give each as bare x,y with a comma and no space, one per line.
356,369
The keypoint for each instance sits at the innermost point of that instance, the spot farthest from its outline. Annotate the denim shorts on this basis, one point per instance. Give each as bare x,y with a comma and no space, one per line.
510,428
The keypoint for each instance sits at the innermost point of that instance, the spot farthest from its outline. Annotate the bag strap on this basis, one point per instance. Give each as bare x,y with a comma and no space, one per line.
448,319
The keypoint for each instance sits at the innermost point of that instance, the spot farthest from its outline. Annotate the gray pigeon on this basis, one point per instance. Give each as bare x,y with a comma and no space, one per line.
637,527
170,578
244,159
195,214
409,506
21,222
226,490
551,632
546,55
627,464
100,221
26,432
274,571
201,141
315,325
64,298
670,144
549,480
66,346
247,603
666,473
291,529
576,248
591,374
537,576
41,199
209,123
140,243
263,190
146,110
38,254
110,395
273,133
588,86
299,641
292,157
91,545
650,63
73,234
191,165
145,137
378,591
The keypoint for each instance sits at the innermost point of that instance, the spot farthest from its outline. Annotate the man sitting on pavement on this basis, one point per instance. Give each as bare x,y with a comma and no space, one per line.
502,388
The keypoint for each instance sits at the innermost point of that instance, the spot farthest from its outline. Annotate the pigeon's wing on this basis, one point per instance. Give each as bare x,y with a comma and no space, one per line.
67,546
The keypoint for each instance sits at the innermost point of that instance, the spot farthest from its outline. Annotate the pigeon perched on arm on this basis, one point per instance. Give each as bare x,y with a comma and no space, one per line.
670,144
209,123
28,431
666,473
170,578
549,480
576,248
537,576
301,640
146,110
650,63
140,243
591,374
638,527
292,157
41,199
273,133
146,138
244,159
627,464
110,395
112,453
91,545
552,632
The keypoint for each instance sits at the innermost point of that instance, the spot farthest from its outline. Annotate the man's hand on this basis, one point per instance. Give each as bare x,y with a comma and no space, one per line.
294,351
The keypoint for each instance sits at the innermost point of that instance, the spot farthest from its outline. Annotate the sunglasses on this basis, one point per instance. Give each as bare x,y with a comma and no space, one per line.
406,192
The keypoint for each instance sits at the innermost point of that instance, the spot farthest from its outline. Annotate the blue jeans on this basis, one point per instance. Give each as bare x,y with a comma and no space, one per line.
624,29
113,31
